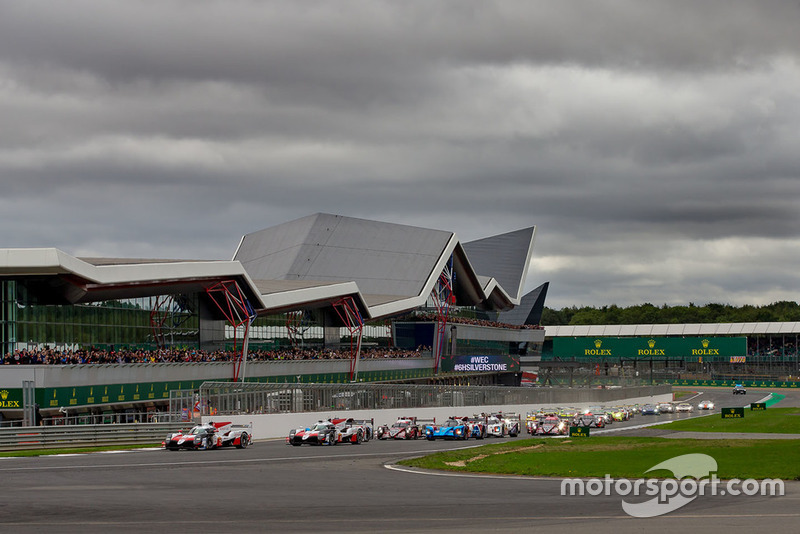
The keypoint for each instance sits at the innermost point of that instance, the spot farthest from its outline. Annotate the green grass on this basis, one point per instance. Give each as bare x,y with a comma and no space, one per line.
771,421
678,395
83,450
619,457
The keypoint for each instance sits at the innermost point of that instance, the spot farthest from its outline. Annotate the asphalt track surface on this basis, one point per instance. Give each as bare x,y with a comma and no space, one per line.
272,487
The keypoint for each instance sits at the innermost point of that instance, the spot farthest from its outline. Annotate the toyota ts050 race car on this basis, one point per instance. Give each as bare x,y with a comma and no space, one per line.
403,428
320,433
450,429
209,436
331,432
352,430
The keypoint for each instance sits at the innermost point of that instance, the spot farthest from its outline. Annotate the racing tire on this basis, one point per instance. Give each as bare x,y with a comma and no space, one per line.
431,438
359,438
244,441
295,444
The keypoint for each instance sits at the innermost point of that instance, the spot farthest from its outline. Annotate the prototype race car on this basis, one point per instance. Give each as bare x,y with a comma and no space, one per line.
705,405
589,419
352,430
321,433
209,436
404,428
738,389
450,429
502,425
551,424
476,425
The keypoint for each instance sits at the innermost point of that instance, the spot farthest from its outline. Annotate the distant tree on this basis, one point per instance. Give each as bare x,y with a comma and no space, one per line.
647,313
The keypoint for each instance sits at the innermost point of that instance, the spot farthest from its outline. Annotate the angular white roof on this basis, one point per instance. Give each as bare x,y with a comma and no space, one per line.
310,262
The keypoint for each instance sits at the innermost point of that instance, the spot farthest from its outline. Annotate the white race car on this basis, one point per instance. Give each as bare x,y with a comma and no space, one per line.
210,436
501,425
705,405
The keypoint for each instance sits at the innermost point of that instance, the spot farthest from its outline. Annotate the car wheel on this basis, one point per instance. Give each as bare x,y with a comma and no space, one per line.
359,438
244,441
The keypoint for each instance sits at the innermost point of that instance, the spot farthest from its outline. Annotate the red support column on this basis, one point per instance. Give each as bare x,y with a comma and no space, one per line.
158,316
348,312
442,296
237,310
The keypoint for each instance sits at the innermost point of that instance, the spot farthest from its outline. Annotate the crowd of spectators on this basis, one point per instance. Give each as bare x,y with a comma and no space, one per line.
50,356
428,316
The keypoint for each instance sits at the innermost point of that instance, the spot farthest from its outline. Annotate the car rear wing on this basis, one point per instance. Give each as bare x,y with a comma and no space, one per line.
423,422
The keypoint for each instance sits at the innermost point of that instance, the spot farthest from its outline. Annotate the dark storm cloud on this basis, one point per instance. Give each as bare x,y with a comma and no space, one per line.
654,144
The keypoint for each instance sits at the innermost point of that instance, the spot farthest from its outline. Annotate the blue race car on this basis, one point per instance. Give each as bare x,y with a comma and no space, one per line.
450,429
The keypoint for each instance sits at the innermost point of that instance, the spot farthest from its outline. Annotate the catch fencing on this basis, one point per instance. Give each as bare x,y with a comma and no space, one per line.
226,398
72,436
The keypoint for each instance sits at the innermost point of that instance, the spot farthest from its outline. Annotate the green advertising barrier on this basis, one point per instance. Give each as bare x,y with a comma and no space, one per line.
579,431
11,398
103,394
695,349
732,413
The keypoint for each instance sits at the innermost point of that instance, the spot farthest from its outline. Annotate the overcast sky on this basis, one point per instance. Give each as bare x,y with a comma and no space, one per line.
655,145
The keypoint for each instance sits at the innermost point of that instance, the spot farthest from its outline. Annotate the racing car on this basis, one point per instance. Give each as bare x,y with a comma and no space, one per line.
705,405
650,409
476,425
739,389
666,407
684,407
550,424
209,436
403,428
320,433
589,419
500,425
451,429
351,430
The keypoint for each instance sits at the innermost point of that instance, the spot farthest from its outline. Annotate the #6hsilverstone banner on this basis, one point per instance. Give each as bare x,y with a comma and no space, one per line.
494,363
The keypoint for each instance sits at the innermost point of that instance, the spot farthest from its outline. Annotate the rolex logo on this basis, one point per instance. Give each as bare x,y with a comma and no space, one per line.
4,394
651,343
705,343
597,343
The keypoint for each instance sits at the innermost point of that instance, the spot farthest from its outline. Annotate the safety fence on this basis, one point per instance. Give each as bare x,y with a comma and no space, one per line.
225,398
72,436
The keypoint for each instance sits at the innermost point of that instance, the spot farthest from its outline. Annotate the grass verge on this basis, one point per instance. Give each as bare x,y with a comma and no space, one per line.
83,450
770,421
628,457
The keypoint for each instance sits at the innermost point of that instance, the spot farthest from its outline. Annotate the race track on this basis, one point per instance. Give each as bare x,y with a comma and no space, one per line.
273,487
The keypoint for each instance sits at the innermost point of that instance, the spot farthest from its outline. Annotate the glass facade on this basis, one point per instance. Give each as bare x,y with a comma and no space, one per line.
131,323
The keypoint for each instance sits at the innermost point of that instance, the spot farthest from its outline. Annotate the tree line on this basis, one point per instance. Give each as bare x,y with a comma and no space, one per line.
649,314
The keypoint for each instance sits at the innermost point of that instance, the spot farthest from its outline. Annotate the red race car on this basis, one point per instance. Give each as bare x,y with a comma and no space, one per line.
209,436
404,428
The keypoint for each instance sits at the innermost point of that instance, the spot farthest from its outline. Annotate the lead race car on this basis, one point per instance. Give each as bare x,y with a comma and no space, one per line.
210,436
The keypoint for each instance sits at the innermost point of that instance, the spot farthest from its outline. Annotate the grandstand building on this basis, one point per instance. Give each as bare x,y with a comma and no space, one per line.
324,284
